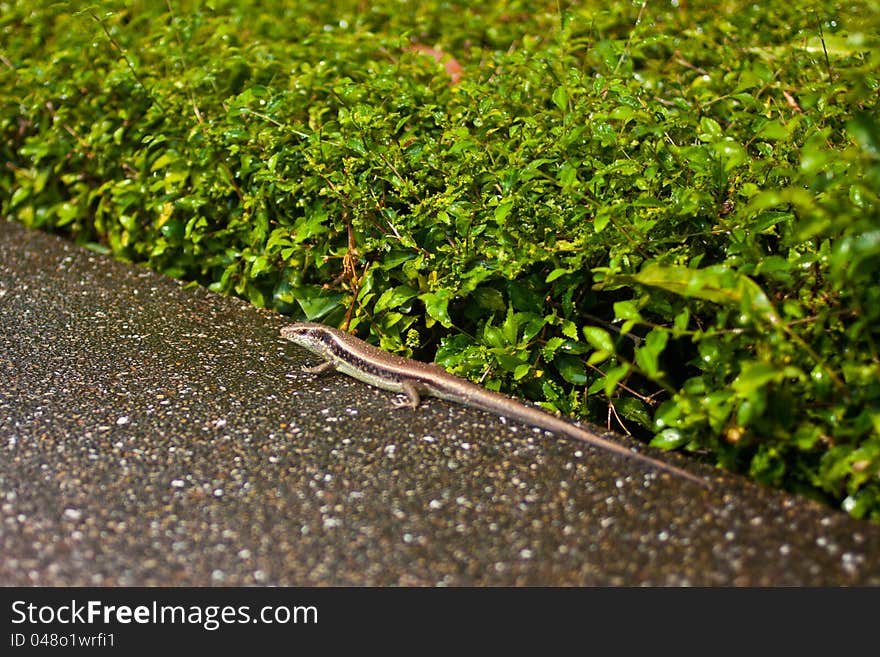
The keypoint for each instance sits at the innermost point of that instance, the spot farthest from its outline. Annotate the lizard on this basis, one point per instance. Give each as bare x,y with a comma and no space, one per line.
345,353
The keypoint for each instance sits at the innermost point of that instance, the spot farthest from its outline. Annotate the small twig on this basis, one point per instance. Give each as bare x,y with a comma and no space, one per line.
647,399
792,102
613,411
629,39
825,50
265,117
125,57
235,185
192,95
633,243
687,64
349,270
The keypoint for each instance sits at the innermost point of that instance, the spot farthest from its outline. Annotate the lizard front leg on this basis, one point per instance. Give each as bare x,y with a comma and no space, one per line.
412,395
322,368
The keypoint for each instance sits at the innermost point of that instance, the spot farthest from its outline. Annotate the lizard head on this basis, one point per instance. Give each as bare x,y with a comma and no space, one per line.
317,338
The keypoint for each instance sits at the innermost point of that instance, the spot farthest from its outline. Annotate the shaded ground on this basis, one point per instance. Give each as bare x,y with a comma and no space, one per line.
152,434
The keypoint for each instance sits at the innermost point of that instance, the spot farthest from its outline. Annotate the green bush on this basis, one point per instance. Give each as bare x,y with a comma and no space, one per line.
664,215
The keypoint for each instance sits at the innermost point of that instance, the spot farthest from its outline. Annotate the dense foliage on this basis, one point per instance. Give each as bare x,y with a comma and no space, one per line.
662,215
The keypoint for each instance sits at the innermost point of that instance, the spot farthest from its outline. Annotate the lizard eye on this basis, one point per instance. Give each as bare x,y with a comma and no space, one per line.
297,331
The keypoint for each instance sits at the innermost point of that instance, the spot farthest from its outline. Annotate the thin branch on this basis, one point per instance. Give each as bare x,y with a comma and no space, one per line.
128,62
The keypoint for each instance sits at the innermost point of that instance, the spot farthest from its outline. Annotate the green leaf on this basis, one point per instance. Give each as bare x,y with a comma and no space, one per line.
162,161
633,409
614,376
510,326
503,210
394,297
560,97
552,346
489,298
711,131
599,356
718,284
260,265
603,217
571,369
569,329
865,130
755,375
669,439
773,130
437,307
731,153
681,321
599,338
493,336
627,310
556,273
521,371
648,355
318,306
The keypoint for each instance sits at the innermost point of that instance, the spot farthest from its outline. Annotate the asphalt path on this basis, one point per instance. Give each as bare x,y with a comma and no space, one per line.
157,434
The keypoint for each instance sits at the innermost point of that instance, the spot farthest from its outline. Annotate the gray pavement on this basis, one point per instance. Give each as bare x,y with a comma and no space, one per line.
157,434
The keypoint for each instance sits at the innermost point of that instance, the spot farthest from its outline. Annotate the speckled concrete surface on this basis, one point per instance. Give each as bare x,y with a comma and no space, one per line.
153,434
